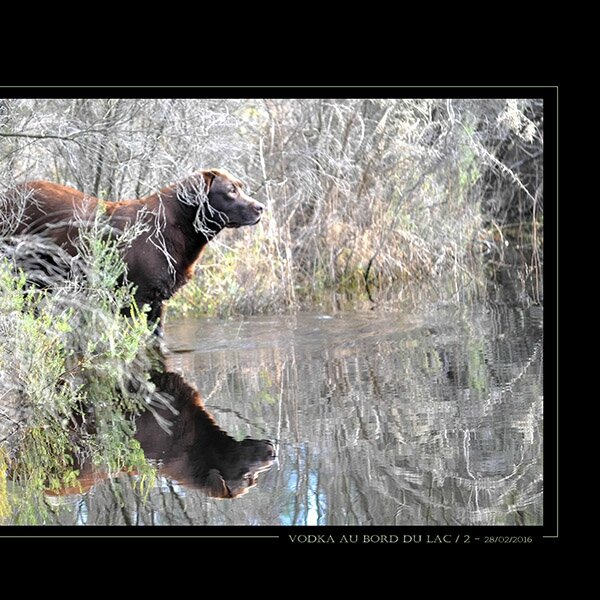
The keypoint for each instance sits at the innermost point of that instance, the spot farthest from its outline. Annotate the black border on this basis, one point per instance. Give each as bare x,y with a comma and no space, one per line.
329,535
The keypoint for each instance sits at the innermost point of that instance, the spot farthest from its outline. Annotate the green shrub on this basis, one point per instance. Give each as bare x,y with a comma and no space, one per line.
74,367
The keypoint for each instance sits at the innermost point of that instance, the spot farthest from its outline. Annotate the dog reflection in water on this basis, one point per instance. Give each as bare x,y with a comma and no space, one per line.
195,452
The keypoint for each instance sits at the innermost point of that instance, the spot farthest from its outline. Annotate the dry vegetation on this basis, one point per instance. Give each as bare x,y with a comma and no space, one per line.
362,194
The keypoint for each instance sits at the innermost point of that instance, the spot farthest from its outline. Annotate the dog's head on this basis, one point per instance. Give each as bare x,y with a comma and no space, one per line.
231,471
226,196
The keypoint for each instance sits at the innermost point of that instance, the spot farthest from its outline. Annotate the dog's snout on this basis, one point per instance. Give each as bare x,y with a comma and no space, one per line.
258,207
270,449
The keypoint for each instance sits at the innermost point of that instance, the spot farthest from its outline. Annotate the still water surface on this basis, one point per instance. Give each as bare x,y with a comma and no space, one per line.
426,417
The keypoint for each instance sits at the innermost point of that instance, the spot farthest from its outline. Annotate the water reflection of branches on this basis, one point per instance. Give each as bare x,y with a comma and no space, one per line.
374,432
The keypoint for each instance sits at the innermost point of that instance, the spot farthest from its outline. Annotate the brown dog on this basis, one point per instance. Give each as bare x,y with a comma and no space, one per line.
178,222
194,451
197,452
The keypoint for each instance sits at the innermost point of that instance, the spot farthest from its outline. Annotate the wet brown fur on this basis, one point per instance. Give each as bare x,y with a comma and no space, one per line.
51,209
195,452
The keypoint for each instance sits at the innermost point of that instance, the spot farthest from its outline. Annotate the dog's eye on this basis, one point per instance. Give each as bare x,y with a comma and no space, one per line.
233,191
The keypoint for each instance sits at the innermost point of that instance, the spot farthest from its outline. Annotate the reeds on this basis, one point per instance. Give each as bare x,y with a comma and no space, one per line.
363,195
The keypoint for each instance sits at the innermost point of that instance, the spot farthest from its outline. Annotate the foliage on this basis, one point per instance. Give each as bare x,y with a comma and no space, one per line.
73,373
363,195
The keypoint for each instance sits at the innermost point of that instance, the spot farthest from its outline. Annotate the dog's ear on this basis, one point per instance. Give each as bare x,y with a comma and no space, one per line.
209,176
215,485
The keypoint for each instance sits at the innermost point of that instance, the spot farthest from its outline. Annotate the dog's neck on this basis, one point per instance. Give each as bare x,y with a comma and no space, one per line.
178,211
188,449
192,203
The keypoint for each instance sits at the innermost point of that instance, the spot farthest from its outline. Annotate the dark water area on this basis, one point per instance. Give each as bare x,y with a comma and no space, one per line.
429,416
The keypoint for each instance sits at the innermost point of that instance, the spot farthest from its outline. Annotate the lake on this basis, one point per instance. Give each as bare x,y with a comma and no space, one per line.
428,416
